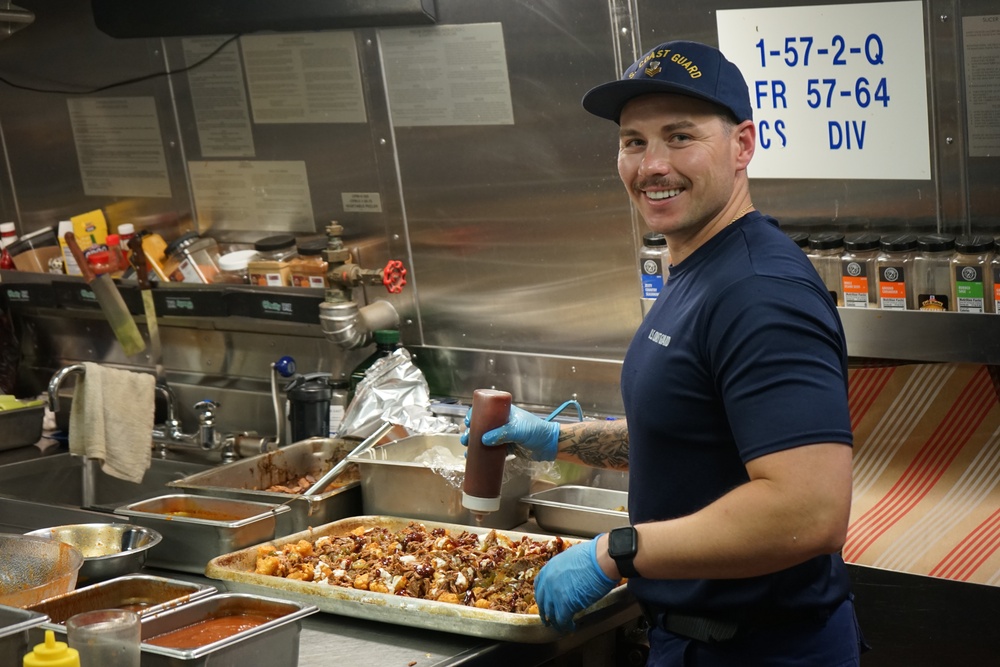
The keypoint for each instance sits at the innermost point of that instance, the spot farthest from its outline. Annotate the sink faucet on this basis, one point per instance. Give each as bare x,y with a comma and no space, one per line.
55,383
207,438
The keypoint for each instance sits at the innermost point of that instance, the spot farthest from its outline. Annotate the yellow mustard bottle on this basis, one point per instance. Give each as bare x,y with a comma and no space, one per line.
52,654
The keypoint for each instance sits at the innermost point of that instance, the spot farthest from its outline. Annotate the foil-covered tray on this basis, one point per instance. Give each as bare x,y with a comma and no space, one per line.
237,569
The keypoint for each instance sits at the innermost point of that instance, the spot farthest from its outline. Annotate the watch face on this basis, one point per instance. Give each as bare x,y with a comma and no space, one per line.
622,542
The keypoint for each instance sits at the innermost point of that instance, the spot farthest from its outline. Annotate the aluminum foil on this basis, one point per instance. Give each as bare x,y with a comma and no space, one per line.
393,390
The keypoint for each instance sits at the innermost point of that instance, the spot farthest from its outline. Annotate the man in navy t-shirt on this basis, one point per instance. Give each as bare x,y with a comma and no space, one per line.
737,435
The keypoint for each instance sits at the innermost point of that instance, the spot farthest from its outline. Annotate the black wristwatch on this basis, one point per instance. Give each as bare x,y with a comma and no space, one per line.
623,544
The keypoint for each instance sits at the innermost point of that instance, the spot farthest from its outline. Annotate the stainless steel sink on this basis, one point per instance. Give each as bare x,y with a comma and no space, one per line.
69,482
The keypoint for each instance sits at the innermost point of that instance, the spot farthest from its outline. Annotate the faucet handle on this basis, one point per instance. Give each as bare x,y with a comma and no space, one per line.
206,407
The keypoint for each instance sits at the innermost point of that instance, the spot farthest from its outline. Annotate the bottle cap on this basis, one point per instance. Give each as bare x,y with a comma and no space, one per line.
51,653
184,241
936,242
238,260
899,242
126,228
862,242
113,239
312,247
974,243
276,242
826,240
801,239
654,239
99,257
386,336
7,228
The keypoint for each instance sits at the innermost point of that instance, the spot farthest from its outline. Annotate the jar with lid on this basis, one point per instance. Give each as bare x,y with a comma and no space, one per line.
126,231
857,265
825,250
279,247
309,268
197,257
654,260
100,262
233,267
932,272
894,266
972,292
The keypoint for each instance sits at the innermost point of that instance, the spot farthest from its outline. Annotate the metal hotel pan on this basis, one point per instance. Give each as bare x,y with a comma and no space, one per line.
244,480
141,593
237,570
15,626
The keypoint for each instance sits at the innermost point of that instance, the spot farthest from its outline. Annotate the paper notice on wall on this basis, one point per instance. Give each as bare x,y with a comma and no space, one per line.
304,77
119,146
361,202
838,91
981,42
447,75
260,196
221,112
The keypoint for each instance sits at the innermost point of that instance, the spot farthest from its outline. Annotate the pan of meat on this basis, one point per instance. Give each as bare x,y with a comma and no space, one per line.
437,576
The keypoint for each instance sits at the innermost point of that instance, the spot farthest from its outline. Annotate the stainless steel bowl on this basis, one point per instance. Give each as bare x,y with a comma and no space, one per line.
109,549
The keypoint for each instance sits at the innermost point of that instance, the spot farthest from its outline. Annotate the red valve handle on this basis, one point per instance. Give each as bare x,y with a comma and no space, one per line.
394,276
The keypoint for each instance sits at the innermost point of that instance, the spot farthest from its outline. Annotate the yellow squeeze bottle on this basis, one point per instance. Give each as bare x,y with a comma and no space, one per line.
52,654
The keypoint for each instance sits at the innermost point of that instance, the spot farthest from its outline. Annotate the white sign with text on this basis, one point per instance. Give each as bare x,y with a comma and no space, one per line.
838,91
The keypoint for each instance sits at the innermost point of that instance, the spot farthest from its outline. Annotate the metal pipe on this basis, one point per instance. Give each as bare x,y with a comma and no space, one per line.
56,382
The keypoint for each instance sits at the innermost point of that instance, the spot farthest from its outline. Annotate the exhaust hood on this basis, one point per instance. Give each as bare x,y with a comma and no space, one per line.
185,18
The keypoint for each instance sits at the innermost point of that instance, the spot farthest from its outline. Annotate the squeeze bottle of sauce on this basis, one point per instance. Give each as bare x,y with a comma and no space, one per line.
52,653
484,465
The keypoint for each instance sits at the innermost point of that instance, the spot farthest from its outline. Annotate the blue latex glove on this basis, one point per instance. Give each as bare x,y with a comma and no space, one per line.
569,583
538,437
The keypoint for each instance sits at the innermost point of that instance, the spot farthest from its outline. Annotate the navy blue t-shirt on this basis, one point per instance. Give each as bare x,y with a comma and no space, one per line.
743,354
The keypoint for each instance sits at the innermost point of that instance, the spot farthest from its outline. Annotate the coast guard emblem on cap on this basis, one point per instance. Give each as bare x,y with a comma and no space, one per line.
653,69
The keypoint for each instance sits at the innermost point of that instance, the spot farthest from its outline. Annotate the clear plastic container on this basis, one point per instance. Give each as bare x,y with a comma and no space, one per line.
197,257
932,273
857,264
825,250
972,288
654,260
233,267
895,271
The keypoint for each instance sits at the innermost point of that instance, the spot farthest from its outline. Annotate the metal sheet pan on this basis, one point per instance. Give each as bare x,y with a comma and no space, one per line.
237,569
245,479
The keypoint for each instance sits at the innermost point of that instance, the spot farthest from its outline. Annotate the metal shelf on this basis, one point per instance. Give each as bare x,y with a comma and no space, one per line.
922,336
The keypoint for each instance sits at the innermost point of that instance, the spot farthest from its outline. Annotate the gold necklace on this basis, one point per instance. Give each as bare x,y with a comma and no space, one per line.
746,209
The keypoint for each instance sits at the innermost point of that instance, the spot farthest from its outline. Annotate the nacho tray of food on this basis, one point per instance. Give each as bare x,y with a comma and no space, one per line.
437,576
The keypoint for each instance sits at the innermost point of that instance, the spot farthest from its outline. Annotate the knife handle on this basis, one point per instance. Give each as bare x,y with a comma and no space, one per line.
78,255
137,255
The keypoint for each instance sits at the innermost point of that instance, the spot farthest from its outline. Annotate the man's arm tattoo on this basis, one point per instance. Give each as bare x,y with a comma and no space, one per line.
600,444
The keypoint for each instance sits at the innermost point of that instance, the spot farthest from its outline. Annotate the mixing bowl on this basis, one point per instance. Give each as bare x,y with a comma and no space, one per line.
33,569
109,549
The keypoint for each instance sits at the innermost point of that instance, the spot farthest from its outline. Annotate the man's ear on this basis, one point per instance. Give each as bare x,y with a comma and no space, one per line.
746,141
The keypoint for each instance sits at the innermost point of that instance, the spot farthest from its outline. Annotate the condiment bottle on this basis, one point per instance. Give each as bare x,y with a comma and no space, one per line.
995,275
165,268
894,266
51,653
126,231
117,257
654,260
932,272
857,278
971,271
100,262
484,465
8,233
825,250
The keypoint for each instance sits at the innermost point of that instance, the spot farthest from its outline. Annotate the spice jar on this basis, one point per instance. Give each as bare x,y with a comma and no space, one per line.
857,278
894,265
279,247
972,289
233,267
197,257
309,268
825,250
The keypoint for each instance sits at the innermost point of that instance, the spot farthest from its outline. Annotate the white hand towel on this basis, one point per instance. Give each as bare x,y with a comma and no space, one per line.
112,420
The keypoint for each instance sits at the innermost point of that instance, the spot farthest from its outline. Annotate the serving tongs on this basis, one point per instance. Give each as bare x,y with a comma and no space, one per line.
341,465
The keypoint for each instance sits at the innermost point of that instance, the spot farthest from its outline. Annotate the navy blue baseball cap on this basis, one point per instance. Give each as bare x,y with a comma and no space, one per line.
684,68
